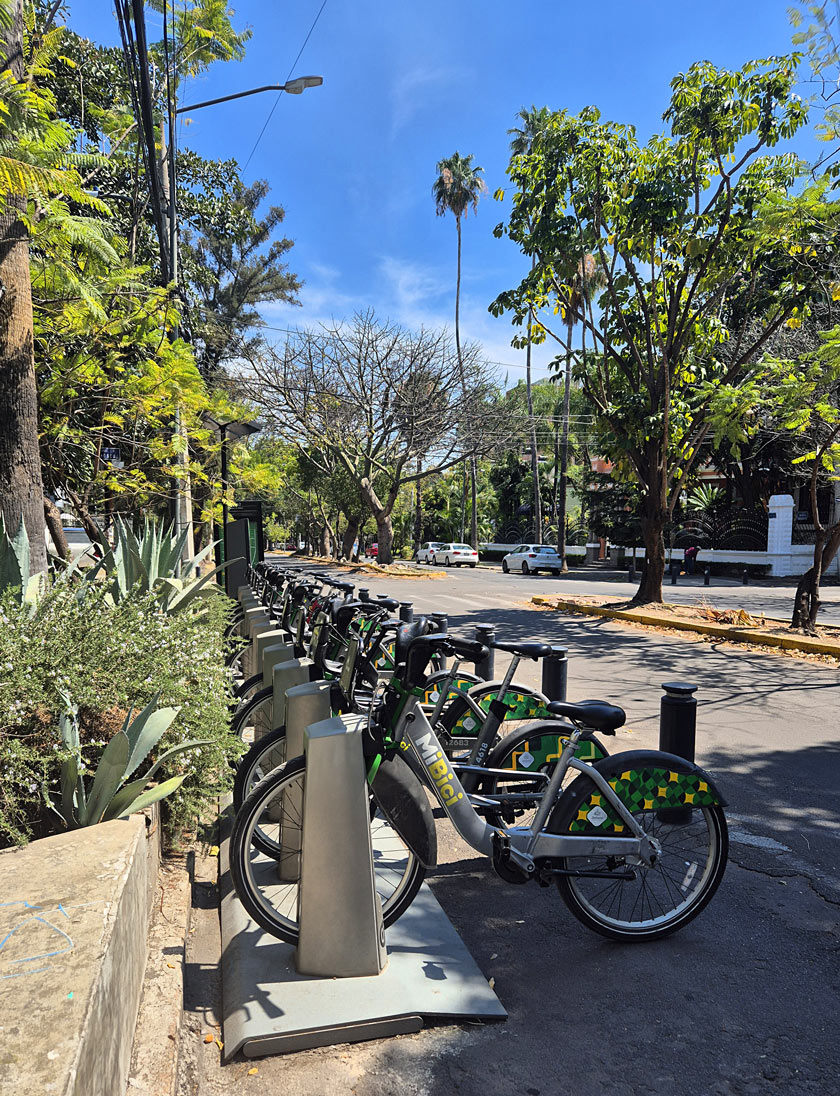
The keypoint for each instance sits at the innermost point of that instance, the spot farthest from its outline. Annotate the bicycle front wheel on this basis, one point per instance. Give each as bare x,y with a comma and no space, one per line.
268,886
626,900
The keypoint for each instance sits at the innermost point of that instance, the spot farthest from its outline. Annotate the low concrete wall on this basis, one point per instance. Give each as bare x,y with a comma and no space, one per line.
74,913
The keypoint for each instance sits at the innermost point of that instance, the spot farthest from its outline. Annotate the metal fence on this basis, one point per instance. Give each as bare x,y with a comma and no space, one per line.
735,529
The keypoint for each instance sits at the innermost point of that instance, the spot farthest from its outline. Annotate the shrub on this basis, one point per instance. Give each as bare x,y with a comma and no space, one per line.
107,658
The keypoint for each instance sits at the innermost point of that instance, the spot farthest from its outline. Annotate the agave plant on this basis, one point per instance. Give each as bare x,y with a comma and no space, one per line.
14,565
108,796
151,563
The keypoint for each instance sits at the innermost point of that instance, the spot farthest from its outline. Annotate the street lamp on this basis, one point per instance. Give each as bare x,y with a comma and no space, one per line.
291,87
236,431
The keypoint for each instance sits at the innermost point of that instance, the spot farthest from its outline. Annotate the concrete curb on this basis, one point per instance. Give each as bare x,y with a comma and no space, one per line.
76,914
722,631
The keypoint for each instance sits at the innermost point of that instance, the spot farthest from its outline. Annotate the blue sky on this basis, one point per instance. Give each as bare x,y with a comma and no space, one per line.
406,84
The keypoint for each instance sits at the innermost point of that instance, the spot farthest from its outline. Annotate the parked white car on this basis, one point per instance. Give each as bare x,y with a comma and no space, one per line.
530,558
454,555
426,552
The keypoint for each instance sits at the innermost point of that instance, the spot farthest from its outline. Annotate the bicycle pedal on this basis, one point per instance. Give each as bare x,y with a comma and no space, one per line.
504,864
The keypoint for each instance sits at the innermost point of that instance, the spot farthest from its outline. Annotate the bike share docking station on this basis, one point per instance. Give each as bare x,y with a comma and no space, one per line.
348,979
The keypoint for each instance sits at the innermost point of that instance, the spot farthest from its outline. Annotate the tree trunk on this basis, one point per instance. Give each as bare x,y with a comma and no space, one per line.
806,601
52,516
385,538
463,498
325,540
532,429
653,518
21,487
350,534
564,454
418,512
95,534
474,512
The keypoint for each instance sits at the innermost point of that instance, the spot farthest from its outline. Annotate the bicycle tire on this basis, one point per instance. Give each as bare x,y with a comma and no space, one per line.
242,717
660,899
532,749
264,755
272,903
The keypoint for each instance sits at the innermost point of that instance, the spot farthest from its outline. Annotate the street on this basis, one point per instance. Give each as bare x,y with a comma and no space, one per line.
742,1001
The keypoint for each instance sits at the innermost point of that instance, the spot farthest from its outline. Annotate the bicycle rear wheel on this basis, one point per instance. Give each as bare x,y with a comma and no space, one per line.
639,902
267,886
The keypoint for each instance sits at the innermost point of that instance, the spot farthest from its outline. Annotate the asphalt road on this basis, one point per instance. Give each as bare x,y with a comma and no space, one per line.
742,1001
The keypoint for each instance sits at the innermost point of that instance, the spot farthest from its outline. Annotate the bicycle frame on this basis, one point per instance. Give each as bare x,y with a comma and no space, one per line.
529,843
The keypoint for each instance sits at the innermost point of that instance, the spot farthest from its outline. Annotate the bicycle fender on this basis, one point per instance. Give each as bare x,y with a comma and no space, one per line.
402,799
644,779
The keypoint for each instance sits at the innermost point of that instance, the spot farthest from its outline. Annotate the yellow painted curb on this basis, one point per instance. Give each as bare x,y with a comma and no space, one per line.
723,631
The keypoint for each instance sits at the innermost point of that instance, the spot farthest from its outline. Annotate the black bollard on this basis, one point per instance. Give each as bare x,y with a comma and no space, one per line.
484,668
745,578
675,570
631,573
406,612
555,674
441,622
364,593
707,571
677,733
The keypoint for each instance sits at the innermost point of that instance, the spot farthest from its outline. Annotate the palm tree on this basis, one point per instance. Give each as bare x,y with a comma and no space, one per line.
576,294
522,139
458,186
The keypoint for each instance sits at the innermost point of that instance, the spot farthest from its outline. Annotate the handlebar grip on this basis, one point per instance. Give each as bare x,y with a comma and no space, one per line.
471,649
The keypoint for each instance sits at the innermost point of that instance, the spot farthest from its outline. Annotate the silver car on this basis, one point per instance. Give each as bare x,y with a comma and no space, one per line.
426,552
531,558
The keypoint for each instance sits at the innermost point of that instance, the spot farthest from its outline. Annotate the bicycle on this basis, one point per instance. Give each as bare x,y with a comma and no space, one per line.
623,866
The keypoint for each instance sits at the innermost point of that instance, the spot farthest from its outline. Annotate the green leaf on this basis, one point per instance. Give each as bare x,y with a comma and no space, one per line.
124,796
153,795
145,732
67,783
173,750
109,776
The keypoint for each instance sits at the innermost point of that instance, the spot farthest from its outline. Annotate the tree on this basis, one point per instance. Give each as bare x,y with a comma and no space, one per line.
458,186
705,254
372,398
231,260
578,293
522,138
21,489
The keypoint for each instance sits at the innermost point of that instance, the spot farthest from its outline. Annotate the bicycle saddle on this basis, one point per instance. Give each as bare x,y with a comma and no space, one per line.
597,714
524,650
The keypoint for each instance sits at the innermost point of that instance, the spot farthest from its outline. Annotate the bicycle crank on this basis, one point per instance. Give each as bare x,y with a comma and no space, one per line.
509,864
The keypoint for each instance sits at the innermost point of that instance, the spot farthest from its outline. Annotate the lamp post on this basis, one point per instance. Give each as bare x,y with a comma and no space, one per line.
235,431
296,86
291,87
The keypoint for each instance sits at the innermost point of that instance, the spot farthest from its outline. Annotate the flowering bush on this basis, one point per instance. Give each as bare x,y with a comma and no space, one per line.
107,658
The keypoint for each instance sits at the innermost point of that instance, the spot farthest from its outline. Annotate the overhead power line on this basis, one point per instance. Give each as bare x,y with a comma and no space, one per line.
291,70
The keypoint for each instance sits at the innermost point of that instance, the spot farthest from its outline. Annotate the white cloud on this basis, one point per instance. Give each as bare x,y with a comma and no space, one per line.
419,89
414,295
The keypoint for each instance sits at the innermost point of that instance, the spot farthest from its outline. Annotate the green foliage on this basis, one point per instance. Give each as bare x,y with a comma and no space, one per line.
108,657
108,796
14,565
151,564
820,37
705,249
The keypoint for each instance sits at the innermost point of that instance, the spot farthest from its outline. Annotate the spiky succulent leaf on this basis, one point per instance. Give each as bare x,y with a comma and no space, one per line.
108,777
153,795
153,724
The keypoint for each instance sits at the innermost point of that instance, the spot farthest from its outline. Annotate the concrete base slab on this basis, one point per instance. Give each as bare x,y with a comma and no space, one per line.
269,1008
